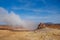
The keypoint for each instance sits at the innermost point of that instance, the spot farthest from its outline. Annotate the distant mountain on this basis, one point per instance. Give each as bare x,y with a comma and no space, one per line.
48,23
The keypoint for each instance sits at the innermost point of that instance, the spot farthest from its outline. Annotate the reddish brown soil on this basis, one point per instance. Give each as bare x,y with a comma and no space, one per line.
6,27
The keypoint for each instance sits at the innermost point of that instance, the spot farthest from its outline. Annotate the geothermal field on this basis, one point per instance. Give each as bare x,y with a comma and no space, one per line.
43,33
12,27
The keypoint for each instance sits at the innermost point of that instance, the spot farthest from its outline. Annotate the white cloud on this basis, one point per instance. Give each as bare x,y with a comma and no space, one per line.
36,10
36,17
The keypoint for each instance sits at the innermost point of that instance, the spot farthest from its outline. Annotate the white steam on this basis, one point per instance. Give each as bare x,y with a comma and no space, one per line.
15,20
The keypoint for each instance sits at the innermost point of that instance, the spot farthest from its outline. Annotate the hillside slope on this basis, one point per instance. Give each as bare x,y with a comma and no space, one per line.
41,34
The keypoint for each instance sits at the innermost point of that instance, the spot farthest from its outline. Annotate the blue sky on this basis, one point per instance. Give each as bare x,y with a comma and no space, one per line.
35,10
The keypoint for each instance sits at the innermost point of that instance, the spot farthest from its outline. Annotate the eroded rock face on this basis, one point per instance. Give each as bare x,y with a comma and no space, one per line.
41,25
44,25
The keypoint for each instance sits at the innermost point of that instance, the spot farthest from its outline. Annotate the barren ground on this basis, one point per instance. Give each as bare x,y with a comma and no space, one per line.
41,34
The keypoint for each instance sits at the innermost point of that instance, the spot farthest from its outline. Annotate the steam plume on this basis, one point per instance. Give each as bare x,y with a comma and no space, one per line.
15,20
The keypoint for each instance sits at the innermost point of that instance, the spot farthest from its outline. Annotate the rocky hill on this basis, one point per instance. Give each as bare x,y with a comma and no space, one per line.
54,26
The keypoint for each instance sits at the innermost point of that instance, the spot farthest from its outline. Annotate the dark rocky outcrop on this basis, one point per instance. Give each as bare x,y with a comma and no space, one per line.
43,25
